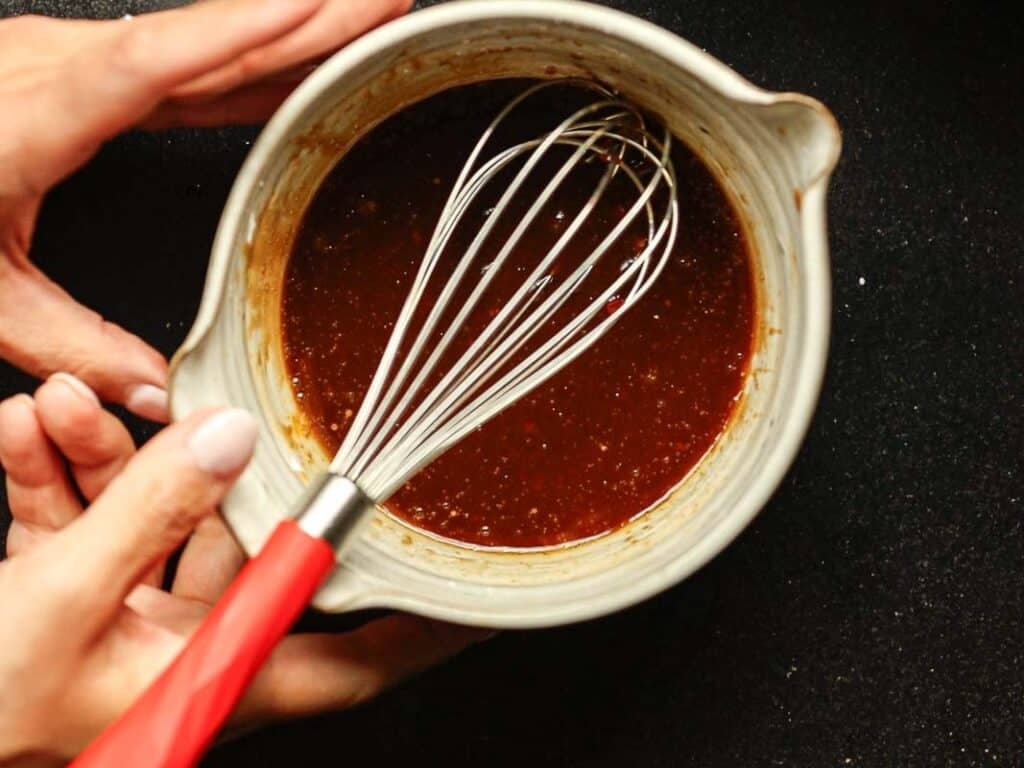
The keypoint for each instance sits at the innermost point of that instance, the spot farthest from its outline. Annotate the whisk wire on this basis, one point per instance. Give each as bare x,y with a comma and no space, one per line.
387,443
530,284
353,454
537,368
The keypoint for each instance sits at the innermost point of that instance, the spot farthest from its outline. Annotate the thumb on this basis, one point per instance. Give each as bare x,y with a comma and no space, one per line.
176,479
43,330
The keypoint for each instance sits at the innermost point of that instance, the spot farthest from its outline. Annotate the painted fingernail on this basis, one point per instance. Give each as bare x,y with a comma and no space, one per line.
223,444
76,385
148,401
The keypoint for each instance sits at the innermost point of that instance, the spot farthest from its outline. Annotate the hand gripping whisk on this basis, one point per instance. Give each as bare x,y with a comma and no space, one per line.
427,395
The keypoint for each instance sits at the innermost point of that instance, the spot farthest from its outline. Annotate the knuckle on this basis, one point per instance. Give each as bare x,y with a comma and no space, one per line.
130,349
16,451
171,522
175,502
18,427
76,426
72,422
131,50
169,506
103,355
115,337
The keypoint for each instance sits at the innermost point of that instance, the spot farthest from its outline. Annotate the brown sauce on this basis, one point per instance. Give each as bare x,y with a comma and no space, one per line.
599,443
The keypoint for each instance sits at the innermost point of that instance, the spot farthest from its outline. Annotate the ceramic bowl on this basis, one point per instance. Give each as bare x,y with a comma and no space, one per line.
773,154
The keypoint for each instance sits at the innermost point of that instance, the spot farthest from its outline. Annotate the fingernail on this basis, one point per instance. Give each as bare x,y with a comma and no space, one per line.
148,401
76,385
223,444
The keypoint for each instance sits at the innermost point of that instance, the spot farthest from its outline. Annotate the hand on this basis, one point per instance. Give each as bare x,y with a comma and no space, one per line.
86,627
68,86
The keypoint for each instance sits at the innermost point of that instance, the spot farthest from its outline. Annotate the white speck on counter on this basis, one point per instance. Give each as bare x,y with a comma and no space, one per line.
861,281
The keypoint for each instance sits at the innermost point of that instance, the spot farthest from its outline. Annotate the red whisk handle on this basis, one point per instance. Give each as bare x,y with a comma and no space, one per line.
175,720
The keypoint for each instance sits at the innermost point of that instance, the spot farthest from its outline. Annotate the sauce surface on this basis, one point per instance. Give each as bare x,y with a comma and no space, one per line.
603,440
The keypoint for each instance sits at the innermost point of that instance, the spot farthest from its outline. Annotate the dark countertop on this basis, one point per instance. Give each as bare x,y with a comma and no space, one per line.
874,613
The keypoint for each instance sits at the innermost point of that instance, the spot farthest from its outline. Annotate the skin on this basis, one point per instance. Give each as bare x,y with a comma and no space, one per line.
88,625
241,59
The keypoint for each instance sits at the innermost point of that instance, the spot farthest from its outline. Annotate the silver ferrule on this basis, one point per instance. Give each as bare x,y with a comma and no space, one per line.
332,509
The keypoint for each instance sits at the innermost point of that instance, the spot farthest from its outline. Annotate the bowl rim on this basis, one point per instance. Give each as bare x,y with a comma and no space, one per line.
812,356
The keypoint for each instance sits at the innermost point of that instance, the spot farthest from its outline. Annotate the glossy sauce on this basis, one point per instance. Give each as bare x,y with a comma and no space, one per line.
603,440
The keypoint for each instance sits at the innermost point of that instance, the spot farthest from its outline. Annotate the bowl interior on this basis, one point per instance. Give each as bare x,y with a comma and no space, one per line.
748,142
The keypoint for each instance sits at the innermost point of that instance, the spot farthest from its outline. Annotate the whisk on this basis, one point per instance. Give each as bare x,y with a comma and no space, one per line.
426,395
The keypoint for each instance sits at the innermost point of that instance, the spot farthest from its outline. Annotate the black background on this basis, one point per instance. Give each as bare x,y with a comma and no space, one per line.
872,614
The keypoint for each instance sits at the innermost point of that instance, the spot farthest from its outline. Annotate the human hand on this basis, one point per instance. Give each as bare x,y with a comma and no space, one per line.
68,86
86,626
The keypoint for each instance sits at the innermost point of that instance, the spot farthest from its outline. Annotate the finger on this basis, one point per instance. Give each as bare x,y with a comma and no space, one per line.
318,672
209,563
95,443
248,105
335,24
160,608
43,330
40,497
161,51
174,481
134,65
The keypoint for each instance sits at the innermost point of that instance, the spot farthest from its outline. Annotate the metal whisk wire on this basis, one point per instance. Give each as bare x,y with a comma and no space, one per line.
386,443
